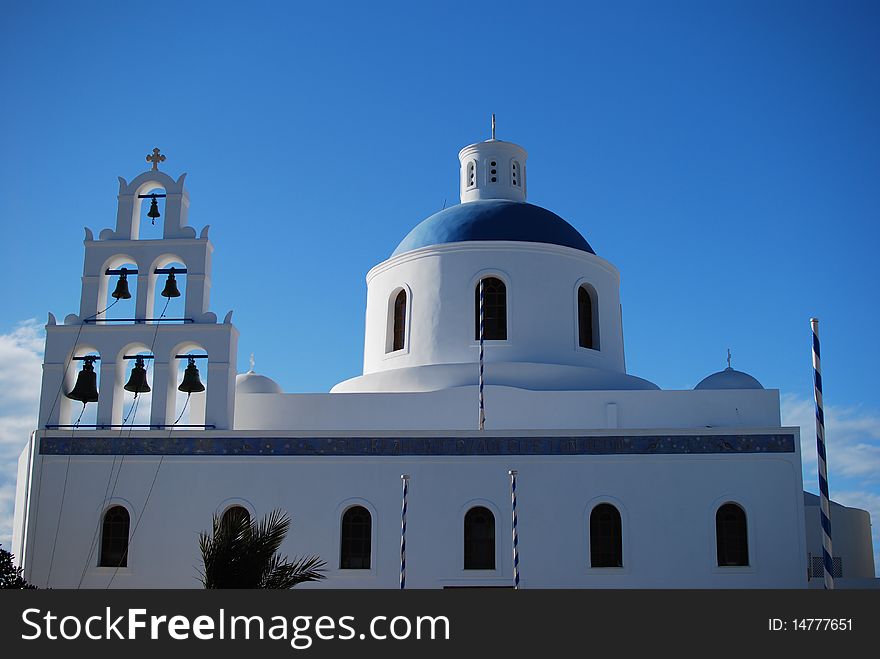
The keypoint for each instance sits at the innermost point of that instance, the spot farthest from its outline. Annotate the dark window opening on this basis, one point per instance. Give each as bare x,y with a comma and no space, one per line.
731,535
399,328
479,539
585,320
235,514
357,525
114,538
606,537
494,310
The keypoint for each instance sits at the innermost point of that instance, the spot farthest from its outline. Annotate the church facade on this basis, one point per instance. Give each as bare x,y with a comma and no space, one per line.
493,350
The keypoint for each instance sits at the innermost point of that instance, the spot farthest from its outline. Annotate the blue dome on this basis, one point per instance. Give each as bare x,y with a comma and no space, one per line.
729,379
494,219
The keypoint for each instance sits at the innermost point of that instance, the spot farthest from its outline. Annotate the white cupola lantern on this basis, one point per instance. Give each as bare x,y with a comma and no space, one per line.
493,169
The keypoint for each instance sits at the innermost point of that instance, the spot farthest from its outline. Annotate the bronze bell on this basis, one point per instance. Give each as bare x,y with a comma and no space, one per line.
191,383
86,388
138,380
121,292
153,213
170,289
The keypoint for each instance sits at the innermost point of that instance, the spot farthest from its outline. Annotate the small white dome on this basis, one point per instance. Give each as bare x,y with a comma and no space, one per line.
729,379
253,383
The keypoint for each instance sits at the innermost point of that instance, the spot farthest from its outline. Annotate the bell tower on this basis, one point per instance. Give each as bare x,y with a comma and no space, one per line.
141,327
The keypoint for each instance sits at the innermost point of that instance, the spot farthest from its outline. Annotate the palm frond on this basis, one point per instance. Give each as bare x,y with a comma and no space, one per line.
239,553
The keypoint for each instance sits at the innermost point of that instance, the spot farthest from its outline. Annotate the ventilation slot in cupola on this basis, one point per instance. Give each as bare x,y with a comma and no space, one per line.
471,174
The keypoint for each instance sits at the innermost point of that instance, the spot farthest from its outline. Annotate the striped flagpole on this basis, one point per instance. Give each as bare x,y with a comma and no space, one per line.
824,499
512,473
405,479
482,405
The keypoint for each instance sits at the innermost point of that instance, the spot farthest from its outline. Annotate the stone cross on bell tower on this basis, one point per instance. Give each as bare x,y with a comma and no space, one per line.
155,158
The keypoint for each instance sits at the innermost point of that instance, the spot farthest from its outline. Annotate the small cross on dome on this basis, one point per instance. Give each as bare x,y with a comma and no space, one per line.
155,158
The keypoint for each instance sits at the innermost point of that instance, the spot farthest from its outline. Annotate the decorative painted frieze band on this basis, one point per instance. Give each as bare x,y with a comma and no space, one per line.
421,446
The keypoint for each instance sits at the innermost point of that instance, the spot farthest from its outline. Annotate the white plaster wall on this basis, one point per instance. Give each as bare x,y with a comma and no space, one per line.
667,504
22,493
850,539
509,408
541,285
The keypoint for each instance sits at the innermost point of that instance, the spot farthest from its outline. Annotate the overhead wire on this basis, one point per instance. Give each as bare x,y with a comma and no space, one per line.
67,362
132,412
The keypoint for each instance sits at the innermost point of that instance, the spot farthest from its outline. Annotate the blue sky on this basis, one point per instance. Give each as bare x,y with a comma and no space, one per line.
725,156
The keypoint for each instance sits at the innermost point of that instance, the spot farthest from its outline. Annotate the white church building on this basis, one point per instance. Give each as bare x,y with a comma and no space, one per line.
619,484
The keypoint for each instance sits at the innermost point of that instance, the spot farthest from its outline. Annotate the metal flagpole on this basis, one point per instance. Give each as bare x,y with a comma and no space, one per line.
513,473
824,499
405,479
482,405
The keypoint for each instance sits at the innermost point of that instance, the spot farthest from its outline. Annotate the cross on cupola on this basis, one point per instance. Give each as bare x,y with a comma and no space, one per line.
155,158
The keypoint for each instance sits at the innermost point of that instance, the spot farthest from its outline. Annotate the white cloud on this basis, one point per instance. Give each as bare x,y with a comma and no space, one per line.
852,446
21,357
852,439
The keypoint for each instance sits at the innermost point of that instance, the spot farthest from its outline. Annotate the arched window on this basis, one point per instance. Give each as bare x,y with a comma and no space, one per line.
479,539
471,174
235,513
494,310
731,535
514,174
588,334
398,322
606,537
357,525
114,538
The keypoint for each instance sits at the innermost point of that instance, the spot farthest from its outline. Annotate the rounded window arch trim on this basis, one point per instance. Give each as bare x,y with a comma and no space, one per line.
501,528
233,502
343,507
747,506
591,505
389,322
505,279
593,293
107,504
95,561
